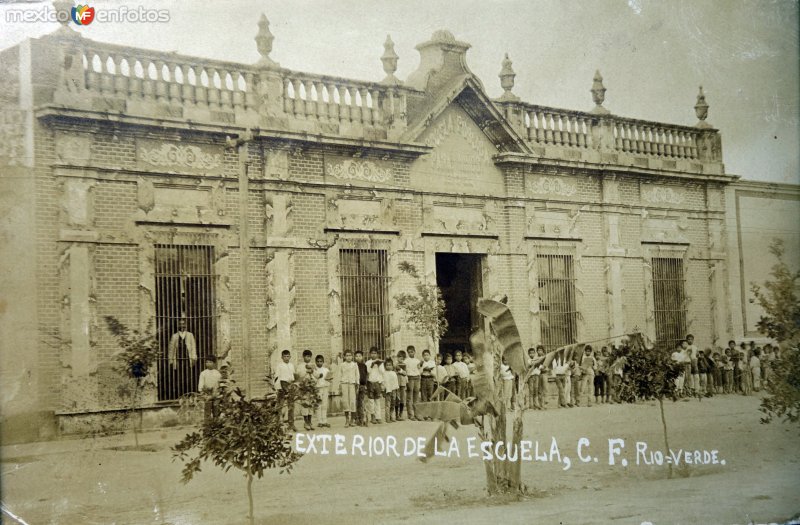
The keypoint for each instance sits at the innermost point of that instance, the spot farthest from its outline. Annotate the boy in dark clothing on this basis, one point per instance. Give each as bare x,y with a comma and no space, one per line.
362,388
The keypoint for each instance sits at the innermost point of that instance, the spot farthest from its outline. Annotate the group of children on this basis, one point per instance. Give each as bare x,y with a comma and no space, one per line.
380,390
731,370
376,390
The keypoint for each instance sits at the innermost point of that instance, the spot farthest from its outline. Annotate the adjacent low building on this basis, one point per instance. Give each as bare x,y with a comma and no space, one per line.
270,209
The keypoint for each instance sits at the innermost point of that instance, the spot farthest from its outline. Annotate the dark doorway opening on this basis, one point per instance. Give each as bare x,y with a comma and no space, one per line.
459,277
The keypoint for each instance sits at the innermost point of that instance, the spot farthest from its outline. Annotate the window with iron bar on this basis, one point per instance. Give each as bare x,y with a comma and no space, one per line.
557,311
185,285
669,300
364,293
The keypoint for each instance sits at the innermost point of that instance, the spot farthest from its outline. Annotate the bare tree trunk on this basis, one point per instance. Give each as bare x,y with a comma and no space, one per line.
250,516
664,424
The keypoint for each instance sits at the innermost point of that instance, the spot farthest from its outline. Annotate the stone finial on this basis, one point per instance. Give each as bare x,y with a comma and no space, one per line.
63,9
507,81
389,60
598,94
701,110
264,40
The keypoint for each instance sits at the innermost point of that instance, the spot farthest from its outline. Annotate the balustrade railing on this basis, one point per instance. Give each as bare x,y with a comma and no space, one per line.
179,80
168,78
553,126
327,98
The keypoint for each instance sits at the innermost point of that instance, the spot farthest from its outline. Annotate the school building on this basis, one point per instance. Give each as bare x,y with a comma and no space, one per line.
270,209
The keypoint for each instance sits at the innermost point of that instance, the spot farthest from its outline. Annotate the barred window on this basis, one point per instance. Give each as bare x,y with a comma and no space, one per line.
557,311
365,312
185,282
669,300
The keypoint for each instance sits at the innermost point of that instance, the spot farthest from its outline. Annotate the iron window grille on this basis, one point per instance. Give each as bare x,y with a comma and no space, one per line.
669,300
557,310
364,292
185,285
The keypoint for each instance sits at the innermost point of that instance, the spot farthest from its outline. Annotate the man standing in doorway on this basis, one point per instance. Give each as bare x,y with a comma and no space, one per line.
182,357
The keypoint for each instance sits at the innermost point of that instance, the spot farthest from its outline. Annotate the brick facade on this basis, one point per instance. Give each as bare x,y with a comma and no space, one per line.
398,176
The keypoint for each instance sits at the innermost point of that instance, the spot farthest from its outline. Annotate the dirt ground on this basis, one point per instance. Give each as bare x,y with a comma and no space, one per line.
99,481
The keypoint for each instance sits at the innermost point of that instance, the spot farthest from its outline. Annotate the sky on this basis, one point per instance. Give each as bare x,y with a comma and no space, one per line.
653,55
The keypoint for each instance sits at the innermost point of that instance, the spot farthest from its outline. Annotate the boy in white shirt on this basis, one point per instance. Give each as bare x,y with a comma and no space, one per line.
285,376
208,385
374,387
560,373
426,374
462,370
392,386
413,366
322,375
349,387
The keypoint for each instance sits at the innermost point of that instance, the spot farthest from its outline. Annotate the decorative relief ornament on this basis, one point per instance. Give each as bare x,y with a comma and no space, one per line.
171,155
365,170
553,186
662,195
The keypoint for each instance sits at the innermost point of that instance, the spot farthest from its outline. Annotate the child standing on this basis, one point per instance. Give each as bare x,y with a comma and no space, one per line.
391,385
574,377
426,374
440,376
533,379
361,413
462,370
349,387
560,374
727,380
471,366
507,378
323,379
304,372
588,366
452,375
755,369
208,385
413,366
402,382
374,387
284,377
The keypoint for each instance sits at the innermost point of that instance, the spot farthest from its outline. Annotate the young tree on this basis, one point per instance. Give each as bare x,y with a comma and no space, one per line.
425,309
249,435
650,373
778,298
134,361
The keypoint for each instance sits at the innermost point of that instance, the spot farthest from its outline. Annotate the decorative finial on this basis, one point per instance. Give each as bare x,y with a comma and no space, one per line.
264,40
701,110
389,59
598,94
63,9
507,80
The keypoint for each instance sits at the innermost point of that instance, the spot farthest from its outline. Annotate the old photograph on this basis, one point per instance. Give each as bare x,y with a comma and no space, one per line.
408,262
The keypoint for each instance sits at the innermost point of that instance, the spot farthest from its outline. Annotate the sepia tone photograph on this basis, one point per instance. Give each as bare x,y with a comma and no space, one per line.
401,262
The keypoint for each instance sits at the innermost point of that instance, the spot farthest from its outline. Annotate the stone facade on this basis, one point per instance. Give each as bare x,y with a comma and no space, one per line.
278,171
